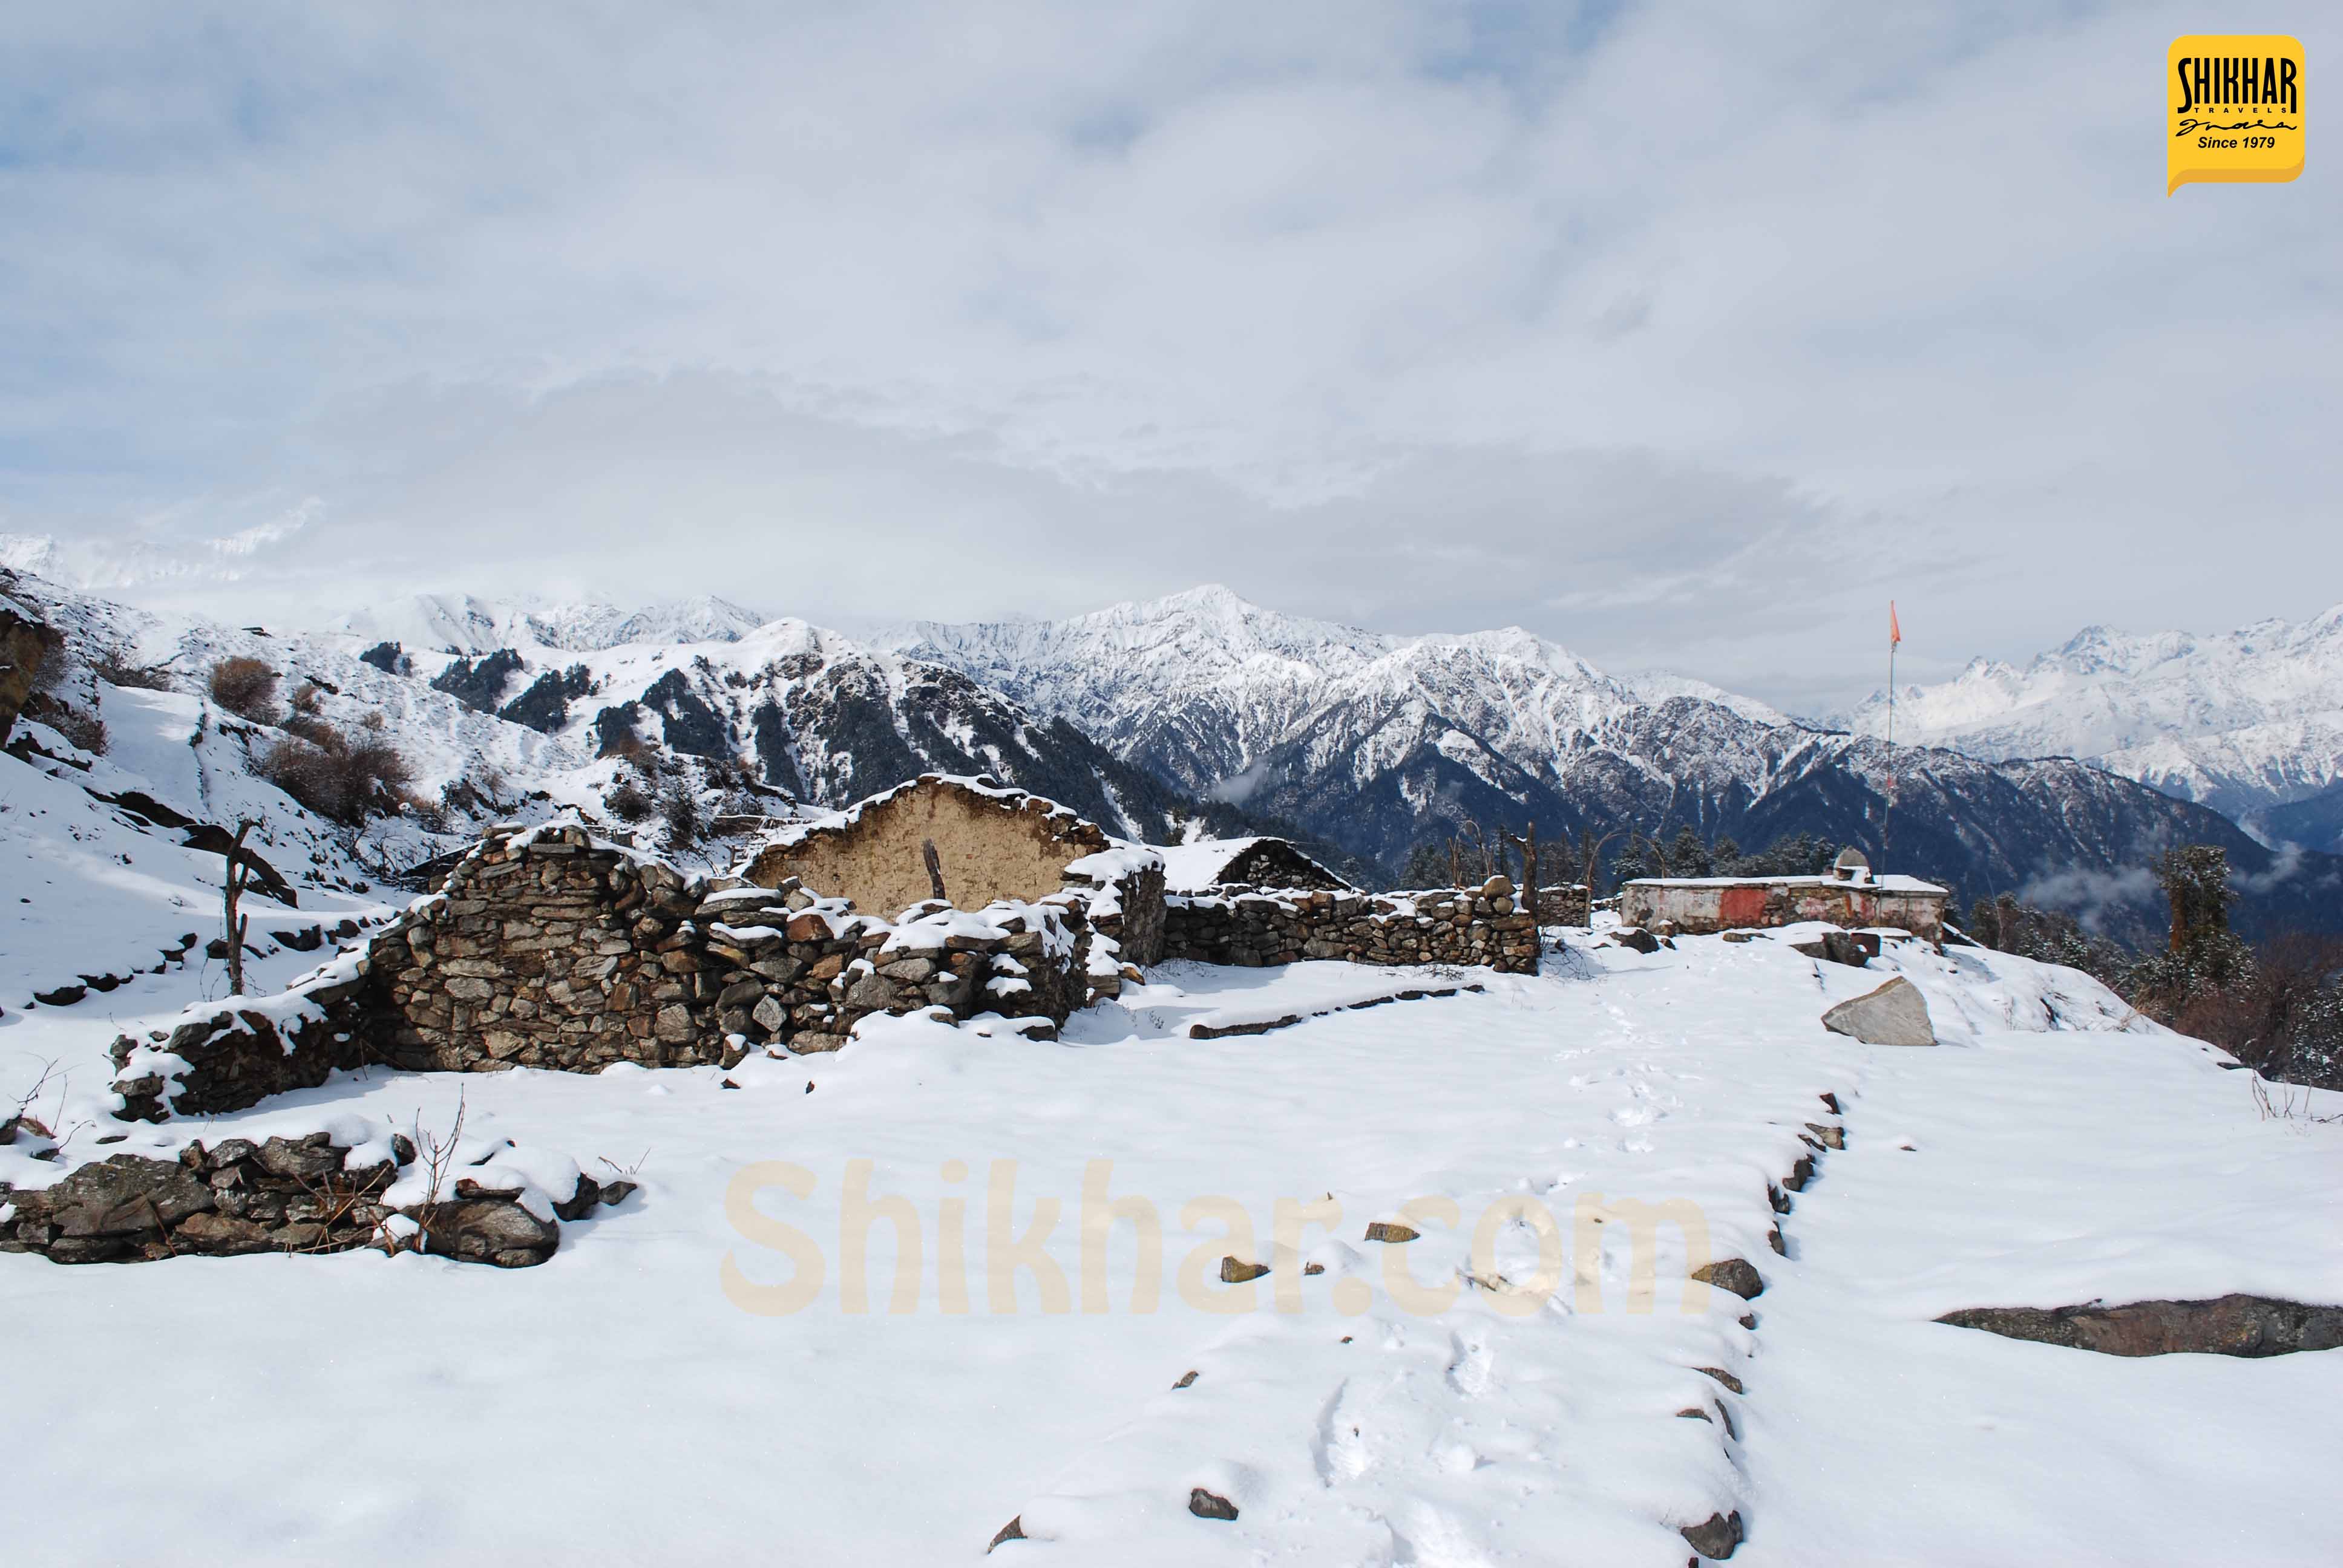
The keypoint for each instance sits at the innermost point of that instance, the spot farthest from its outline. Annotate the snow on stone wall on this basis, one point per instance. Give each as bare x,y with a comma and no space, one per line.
551,949
1460,926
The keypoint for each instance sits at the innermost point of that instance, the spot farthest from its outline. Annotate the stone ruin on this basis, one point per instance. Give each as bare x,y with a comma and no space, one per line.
322,1191
549,949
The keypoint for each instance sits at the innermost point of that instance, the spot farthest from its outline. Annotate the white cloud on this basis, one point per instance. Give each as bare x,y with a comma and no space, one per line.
1683,336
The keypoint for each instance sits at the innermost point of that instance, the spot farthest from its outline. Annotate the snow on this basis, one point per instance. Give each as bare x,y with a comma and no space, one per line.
1196,867
2060,1151
2054,1150
2247,718
1182,995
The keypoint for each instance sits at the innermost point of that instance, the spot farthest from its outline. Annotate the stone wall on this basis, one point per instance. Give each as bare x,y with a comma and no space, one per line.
1458,926
992,843
1123,891
548,949
280,1195
217,1060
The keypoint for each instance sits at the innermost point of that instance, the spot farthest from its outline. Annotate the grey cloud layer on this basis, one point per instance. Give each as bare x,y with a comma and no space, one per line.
1625,325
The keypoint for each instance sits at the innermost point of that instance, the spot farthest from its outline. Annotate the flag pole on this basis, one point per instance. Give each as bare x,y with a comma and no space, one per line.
1887,807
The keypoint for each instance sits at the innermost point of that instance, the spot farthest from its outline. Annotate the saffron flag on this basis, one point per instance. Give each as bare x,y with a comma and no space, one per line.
1894,628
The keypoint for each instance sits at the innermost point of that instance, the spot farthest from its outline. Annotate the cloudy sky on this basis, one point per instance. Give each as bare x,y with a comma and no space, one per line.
1684,335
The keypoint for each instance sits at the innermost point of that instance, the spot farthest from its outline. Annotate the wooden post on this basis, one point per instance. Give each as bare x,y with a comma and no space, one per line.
1526,842
1593,847
935,869
232,885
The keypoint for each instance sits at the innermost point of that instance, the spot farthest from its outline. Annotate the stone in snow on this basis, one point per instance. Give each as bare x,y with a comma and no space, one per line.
1895,1014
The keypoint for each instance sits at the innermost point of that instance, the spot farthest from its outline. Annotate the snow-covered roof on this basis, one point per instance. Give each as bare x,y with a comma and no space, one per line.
1198,867
1890,884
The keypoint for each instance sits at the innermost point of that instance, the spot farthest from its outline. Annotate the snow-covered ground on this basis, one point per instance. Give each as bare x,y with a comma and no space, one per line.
657,1392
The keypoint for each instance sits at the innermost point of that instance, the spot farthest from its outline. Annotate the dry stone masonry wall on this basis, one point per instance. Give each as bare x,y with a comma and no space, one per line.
301,1194
1461,926
548,949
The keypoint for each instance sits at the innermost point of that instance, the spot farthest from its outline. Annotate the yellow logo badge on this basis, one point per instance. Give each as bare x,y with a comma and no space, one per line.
2233,108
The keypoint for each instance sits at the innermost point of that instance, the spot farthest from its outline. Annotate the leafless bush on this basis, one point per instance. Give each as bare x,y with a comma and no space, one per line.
309,700
629,802
2290,1104
86,730
136,677
337,777
680,810
438,1152
637,753
246,688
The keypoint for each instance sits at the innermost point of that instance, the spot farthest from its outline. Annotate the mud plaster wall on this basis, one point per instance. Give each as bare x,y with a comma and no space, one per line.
992,846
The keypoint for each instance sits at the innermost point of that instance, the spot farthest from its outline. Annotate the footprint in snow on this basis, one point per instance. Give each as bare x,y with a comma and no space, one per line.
1469,1365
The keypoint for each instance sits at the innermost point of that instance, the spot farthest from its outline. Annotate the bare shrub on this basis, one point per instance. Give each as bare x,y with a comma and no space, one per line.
136,677
629,802
86,730
341,780
246,688
636,753
309,700
680,810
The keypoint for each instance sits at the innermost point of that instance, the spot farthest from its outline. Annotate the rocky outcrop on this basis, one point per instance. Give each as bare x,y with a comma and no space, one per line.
1895,1014
24,641
1462,926
281,1195
2234,1326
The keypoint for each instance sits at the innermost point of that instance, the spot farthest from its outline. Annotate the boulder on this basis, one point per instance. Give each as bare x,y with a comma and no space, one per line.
492,1230
2236,1325
1734,1274
1849,948
1895,1014
1715,1536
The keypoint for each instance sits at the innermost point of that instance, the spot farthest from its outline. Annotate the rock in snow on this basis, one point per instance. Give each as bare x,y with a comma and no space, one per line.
1895,1014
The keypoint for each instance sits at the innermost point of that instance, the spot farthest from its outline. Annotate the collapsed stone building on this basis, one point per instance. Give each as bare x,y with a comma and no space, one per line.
549,947
1849,896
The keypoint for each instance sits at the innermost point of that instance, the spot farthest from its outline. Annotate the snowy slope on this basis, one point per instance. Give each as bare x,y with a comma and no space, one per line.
2240,722
507,711
1498,1401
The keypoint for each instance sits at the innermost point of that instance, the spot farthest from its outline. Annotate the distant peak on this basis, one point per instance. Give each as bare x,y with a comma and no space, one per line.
1208,596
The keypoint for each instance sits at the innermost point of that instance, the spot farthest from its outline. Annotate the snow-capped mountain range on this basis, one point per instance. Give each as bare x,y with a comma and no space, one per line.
2247,722
1199,712
460,623
1375,742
